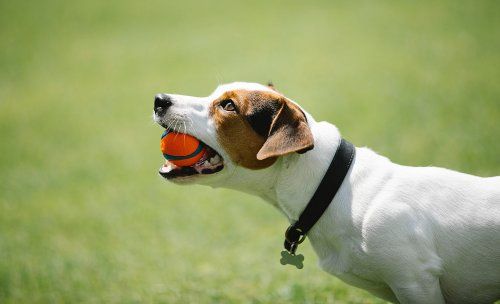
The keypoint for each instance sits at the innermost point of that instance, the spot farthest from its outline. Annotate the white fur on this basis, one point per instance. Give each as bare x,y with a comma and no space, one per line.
406,234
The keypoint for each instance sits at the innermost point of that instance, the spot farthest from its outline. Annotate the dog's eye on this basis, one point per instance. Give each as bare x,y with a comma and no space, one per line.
228,105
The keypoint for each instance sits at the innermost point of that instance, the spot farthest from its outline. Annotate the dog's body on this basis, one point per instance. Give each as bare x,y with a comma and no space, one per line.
406,234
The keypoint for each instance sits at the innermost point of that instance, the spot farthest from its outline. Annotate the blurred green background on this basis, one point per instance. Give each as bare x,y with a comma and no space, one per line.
84,217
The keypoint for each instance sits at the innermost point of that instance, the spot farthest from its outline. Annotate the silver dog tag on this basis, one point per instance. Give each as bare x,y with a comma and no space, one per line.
292,259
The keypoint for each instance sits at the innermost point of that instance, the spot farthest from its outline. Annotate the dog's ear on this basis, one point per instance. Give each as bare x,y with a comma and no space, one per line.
271,85
288,132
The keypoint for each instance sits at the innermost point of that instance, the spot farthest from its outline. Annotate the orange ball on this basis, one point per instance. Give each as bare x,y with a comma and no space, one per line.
181,149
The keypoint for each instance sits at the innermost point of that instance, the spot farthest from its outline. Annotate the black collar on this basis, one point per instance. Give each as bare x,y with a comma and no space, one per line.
328,187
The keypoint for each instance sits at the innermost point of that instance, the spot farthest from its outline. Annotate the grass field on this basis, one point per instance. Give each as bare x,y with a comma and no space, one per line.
84,217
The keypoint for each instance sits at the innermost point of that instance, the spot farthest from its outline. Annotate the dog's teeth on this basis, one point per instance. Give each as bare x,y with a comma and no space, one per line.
215,160
166,168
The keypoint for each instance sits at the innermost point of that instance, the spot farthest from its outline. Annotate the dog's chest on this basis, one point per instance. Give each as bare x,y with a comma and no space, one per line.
341,254
345,260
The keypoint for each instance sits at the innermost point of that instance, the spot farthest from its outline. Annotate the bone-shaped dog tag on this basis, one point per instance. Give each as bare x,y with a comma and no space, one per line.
292,259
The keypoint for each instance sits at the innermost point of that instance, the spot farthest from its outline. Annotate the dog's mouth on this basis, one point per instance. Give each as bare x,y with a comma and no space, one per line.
210,162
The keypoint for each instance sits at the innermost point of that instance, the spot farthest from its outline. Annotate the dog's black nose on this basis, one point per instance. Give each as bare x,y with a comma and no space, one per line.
162,103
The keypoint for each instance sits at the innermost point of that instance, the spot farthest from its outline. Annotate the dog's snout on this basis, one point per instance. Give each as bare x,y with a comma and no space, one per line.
162,103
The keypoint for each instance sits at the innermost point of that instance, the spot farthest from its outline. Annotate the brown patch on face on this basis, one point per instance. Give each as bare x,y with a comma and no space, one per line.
263,126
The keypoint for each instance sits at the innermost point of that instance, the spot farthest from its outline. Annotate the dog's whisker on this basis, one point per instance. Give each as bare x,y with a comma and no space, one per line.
218,78
175,127
185,130
191,124
169,124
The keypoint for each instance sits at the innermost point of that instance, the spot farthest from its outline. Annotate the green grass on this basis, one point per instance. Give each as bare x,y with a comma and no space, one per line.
84,216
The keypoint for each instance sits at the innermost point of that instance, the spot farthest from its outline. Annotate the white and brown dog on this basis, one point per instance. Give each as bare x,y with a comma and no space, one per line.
405,234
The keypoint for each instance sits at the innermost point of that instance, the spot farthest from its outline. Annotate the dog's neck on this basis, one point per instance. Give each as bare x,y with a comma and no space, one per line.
293,194
278,185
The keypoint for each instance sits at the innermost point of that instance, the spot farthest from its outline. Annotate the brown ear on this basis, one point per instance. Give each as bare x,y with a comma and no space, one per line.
288,133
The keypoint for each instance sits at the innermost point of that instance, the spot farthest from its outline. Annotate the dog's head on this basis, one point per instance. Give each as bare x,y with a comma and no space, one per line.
245,126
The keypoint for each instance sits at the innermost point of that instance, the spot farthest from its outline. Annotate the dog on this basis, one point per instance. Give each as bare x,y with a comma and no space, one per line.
405,234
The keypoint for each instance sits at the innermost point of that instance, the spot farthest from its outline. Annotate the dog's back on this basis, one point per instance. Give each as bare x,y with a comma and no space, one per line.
463,212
